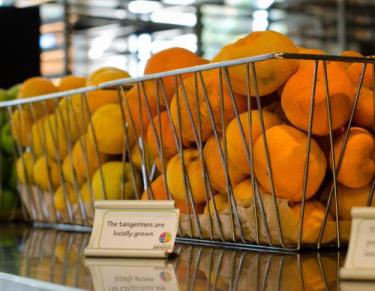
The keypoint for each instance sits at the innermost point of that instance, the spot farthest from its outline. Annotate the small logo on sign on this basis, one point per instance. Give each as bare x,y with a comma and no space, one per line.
165,237
165,276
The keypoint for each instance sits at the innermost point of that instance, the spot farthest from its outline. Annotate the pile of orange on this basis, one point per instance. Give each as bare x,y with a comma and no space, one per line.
203,135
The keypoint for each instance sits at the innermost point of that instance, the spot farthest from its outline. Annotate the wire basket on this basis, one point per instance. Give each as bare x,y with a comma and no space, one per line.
204,105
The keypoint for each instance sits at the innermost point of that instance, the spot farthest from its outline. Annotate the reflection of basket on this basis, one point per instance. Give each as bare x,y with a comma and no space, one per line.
62,261
266,220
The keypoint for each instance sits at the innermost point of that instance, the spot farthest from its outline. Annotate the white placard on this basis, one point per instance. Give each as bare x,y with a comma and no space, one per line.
133,229
132,274
360,258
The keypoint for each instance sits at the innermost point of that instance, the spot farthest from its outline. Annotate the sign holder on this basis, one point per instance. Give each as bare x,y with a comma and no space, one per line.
360,258
133,228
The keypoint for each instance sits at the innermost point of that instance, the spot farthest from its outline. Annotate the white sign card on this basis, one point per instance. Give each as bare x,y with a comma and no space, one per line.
133,229
114,274
360,258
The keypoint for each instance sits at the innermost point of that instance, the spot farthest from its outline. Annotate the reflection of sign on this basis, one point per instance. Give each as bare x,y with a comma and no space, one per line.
133,229
360,259
132,274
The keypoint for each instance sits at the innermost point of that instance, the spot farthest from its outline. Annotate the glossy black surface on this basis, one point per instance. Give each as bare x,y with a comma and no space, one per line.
57,256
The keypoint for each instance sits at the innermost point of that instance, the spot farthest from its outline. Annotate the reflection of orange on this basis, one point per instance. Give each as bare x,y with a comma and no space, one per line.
287,152
166,60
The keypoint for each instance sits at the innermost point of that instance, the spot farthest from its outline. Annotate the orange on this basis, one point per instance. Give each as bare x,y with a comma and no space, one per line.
106,76
349,198
71,82
364,112
72,114
221,203
354,71
303,64
197,105
175,176
215,167
163,130
49,136
271,74
70,174
312,220
99,98
46,173
85,158
159,192
287,152
59,198
296,98
21,122
97,72
345,65
235,145
38,86
243,192
108,129
158,188
137,111
24,166
199,208
167,60
358,164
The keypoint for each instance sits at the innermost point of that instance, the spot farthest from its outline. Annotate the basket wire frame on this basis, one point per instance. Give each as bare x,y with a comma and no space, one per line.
39,203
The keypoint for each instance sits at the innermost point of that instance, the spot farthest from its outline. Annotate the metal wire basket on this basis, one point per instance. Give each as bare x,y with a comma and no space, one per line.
265,221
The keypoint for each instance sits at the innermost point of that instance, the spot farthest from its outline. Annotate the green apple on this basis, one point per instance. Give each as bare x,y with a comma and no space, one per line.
7,142
12,92
3,95
8,200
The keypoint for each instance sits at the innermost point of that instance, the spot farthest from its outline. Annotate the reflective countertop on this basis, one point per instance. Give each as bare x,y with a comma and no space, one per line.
57,257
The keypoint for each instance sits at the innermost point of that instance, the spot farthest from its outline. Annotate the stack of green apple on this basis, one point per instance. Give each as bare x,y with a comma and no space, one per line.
9,200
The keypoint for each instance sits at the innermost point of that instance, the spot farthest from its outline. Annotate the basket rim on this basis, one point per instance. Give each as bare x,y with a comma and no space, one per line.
194,69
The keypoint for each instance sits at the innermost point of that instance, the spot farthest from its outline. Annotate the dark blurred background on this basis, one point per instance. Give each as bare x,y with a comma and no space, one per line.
19,45
78,36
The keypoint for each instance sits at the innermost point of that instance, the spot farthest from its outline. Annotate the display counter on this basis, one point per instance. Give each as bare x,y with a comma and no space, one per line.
53,260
